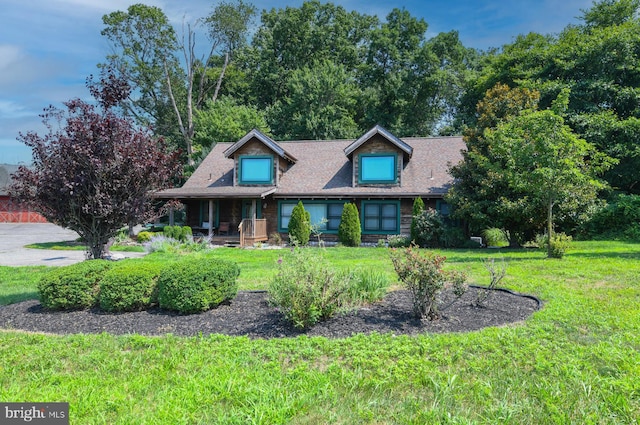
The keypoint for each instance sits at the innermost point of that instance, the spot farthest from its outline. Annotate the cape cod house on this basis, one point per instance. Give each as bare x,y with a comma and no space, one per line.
249,188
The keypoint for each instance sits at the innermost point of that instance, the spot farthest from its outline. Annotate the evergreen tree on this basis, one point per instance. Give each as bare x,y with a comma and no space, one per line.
418,210
349,232
300,225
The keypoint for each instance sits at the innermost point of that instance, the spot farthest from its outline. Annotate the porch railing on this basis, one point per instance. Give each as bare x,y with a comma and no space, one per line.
252,231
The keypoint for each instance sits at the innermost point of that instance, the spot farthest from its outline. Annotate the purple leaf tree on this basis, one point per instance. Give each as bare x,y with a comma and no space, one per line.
94,172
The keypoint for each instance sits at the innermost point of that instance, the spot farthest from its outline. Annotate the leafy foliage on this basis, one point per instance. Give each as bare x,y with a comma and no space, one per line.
196,284
544,159
428,229
83,176
73,287
495,237
620,218
424,277
130,286
182,234
398,241
557,245
307,289
418,209
349,230
225,120
300,225
146,52
367,286
597,62
481,194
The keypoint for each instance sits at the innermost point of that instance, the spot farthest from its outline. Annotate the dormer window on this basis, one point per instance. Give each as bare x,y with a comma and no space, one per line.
256,169
378,168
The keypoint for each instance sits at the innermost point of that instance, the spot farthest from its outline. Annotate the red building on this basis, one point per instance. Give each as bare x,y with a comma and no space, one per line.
11,211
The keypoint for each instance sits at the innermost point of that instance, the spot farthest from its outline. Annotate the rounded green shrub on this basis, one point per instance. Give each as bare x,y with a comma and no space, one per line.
186,234
145,236
73,287
130,286
196,284
349,232
300,225
560,244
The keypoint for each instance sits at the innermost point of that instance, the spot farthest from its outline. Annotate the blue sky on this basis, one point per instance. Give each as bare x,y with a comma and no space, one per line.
49,47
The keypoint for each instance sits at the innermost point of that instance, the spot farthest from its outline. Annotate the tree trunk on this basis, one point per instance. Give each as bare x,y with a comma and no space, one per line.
549,227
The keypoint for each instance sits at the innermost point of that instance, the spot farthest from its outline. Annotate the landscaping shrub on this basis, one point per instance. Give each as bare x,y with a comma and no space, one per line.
306,289
349,233
73,287
496,274
179,233
398,241
300,225
428,229
167,231
367,286
145,236
130,286
418,210
495,237
186,234
196,284
424,277
560,244
161,243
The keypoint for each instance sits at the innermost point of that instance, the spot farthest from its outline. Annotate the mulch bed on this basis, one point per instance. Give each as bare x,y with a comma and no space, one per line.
250,314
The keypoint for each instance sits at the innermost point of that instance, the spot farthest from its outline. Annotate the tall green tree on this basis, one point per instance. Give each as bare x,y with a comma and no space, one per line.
598,62
541,157
226,120
147,51
481,194
293,38
320,104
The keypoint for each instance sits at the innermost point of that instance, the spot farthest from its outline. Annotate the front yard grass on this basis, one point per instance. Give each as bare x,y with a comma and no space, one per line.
577,361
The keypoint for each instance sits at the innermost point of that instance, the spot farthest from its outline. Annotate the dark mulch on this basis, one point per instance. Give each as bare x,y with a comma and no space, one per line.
250,314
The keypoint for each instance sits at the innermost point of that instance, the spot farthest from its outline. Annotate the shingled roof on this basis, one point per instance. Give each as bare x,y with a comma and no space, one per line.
323,169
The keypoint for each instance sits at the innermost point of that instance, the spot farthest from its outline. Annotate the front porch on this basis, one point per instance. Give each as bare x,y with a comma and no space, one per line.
247,233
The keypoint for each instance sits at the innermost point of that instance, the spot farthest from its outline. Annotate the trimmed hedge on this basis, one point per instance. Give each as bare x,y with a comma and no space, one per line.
130,286
193,285
73,287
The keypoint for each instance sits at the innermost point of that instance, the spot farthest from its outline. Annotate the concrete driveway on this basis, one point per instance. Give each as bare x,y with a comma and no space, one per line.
14,237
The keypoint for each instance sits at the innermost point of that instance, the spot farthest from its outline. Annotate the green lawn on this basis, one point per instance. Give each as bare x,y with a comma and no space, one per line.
577,361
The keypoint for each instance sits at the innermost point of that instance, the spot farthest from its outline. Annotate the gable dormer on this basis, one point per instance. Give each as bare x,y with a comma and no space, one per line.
378,158
258,160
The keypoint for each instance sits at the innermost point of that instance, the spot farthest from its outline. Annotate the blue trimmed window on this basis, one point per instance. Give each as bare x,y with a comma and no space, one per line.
256,170
319,211
378,168
380,217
